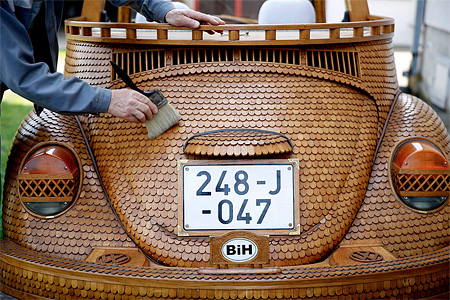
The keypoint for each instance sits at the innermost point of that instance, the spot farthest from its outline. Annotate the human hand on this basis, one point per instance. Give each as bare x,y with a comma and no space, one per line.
191,18
131,105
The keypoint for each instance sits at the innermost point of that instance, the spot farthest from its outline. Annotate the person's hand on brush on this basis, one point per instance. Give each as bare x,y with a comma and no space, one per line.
131,105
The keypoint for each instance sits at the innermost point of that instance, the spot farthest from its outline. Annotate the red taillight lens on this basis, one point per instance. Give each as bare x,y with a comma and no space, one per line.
49,179
420,174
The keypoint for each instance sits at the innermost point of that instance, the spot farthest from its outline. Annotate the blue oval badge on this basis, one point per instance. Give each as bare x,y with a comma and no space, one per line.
239,250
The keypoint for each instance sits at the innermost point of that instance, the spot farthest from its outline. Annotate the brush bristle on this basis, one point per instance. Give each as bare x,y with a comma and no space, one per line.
166,117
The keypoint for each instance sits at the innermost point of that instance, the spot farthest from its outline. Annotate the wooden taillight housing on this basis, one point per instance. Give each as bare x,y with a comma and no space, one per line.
49,179
420,174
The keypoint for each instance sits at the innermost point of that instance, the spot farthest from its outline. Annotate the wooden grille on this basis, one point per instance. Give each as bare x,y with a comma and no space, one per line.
271,55
346,62
419,184
59,189
189,56
139,61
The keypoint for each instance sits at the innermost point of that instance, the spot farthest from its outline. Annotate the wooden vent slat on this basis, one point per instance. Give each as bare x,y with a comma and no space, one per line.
283,56
138,61
339,61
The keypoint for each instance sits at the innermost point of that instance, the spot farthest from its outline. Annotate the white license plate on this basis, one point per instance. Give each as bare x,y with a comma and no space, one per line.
238,196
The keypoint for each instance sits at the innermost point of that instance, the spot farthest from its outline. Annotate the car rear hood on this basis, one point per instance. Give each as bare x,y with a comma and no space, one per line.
332,127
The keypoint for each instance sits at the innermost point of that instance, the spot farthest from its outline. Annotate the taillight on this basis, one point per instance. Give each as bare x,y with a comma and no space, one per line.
49,179
420,174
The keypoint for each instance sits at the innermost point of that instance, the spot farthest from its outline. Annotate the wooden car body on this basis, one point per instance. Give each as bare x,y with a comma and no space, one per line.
319,101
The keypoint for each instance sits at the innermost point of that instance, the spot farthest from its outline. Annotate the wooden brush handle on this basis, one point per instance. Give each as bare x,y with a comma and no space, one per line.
124,76
155,96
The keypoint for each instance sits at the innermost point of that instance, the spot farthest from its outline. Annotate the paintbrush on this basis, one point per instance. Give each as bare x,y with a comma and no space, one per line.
167,115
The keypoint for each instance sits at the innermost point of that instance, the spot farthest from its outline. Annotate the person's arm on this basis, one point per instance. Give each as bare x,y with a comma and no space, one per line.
53,91
164,11
153,10
34,82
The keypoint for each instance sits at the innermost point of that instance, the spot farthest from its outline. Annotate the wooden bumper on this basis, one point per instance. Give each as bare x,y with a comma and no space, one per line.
34,275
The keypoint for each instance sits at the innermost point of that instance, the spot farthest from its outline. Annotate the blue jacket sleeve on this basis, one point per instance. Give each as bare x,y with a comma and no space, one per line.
153,10
34,82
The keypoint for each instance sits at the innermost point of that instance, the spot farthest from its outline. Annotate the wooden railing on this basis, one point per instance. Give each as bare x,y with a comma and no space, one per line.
320,33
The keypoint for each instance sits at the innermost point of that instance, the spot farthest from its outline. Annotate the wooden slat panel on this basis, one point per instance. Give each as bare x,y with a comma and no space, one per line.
319,7
92,10
123,14
358,10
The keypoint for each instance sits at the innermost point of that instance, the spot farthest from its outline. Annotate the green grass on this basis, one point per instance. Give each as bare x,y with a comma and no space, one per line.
14,109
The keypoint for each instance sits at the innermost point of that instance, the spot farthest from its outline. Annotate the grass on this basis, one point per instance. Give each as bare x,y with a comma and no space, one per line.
14,109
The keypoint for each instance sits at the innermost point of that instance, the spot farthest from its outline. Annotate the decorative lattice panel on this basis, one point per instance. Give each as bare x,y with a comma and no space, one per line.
48,189
421,184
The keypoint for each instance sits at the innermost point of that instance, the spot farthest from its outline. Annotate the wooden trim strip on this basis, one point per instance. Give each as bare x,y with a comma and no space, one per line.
422,194
239,271
47,176
386,122
129,33
47,199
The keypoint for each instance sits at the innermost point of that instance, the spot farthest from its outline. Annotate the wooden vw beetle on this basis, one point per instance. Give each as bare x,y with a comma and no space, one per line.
298,170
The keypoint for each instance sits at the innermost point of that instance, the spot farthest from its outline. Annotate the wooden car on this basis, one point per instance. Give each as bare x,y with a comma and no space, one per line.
298,170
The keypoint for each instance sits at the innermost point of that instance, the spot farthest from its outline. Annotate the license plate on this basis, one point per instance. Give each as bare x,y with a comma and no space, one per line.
238,197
